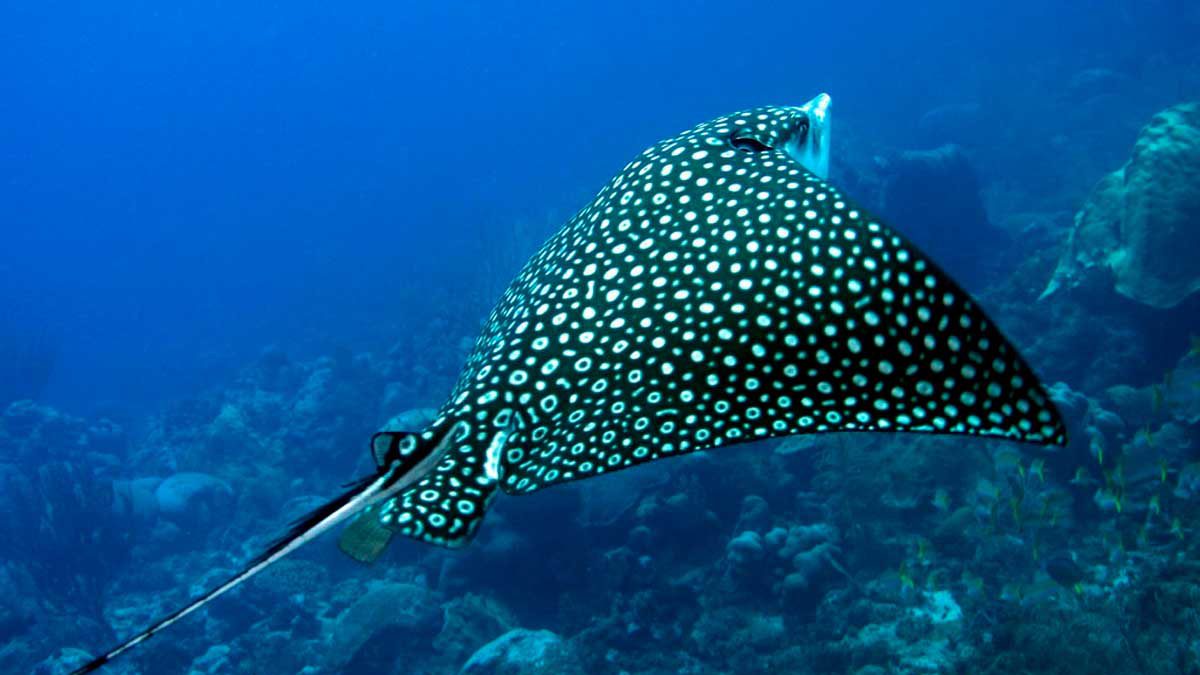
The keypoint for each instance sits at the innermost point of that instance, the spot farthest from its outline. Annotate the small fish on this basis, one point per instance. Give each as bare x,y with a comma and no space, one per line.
1177,528
1082,477
1040,592
1107,500
941,500
1143,535
718,290
907,583
1012,592
1163,470
1038,468
1155,505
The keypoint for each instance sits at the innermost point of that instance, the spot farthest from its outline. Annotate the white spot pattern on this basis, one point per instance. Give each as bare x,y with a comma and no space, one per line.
683,310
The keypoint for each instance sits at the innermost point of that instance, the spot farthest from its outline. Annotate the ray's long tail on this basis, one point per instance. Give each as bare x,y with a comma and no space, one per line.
360,495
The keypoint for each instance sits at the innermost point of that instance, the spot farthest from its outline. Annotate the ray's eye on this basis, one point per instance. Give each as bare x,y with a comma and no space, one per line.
744,142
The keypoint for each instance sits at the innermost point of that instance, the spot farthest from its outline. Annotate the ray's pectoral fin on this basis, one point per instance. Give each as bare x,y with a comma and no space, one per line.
366,538
444,505
856,330
390,445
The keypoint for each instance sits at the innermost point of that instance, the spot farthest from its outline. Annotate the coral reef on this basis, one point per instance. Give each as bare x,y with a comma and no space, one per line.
524,652
1139,227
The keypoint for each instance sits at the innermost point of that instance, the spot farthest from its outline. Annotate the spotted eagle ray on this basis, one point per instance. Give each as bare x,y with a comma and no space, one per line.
717,291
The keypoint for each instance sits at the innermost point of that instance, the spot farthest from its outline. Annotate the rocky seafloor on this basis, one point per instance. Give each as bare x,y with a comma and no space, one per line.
864,553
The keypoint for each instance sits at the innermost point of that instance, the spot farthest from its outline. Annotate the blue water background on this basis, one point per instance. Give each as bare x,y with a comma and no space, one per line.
183,184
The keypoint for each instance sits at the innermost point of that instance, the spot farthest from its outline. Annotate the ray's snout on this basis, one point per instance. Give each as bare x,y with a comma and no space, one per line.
811,147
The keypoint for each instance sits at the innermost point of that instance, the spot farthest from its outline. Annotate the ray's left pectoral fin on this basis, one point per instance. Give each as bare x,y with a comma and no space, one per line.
434,516
366,538
444,509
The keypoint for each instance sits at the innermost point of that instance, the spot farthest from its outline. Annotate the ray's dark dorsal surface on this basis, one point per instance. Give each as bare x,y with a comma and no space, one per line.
717,291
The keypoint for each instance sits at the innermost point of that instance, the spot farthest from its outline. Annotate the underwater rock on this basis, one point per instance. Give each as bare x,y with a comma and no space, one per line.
1093,432
1090,83
194,497
1139,230
747,546
1176,397
524,652
49,517
468,623
229,432
213,661
794,563
933,197
62,662
273,366
289,578
940,607
679,514
604,500
389,620
755,515
952,123
136,499
36,431
924,639
792,445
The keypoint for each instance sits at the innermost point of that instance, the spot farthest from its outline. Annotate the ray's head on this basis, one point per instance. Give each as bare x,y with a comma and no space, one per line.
802,132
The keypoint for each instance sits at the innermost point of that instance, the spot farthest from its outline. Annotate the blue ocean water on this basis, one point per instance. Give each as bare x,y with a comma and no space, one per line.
239,238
